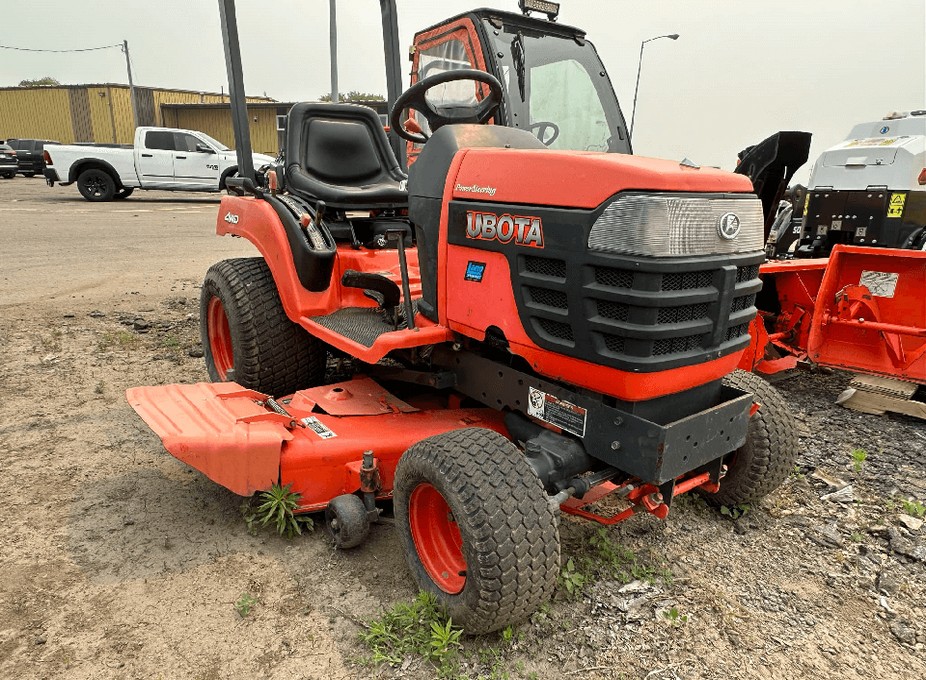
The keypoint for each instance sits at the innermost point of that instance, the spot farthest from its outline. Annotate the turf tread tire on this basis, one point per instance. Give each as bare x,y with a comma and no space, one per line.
762,463
509,530
272,354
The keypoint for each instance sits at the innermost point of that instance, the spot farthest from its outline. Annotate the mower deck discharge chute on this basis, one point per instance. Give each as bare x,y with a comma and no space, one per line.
530,330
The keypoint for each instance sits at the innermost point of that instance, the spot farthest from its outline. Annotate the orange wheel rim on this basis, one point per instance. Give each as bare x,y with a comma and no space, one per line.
437,538
220,344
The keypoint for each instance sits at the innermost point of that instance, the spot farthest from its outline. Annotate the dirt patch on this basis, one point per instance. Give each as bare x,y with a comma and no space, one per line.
120,561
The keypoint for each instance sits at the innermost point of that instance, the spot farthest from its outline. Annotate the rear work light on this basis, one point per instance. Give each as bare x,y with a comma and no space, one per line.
679,225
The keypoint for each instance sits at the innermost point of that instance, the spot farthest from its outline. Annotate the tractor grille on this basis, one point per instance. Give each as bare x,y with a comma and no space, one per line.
638,313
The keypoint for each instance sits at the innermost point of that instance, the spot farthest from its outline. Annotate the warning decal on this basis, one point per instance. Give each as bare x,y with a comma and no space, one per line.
879,284
564,415
318,427
895,207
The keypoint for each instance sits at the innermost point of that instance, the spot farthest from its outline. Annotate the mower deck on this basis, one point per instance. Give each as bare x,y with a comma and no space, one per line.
313,439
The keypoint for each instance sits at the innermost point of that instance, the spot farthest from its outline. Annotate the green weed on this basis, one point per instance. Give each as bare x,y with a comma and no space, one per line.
675,616
608,560
420,628
734,512
913,508
117,339
277,506
170,341
572,580
858,458
856,537
244,604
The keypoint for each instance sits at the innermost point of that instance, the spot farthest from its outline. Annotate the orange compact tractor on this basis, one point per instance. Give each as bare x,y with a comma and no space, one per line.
533,321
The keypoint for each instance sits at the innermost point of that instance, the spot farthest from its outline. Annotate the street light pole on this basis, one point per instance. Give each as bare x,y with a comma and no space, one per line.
671,36
128,68
333,47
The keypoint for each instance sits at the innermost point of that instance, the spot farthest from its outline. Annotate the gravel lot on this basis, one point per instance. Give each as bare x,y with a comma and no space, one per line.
120,562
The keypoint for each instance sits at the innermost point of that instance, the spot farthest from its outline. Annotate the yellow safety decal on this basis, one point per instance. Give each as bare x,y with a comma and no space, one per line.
806,201
895,207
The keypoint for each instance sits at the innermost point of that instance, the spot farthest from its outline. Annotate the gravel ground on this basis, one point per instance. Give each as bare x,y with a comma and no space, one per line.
121,562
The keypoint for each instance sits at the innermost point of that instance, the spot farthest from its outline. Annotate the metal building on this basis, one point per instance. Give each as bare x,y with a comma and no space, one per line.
92,113
103,114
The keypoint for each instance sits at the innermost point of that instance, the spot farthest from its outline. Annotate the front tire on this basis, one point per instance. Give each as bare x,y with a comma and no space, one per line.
760,465
96,185
476,527
247,336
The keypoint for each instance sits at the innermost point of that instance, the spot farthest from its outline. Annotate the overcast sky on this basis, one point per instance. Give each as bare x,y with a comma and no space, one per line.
740,71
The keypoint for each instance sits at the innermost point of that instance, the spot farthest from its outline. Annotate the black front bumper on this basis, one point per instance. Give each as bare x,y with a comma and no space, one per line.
682,441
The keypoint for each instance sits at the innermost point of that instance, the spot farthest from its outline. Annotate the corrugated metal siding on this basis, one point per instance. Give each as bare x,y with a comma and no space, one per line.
80,115
103,129
37,113
144,98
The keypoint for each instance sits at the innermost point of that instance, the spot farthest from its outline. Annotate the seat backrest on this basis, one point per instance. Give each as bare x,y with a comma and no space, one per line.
339,153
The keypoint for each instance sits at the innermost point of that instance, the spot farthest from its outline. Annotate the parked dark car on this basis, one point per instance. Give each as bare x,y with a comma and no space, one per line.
29,155
8,165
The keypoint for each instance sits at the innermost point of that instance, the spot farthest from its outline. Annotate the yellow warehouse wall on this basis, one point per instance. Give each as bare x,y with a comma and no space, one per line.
45,113
36,114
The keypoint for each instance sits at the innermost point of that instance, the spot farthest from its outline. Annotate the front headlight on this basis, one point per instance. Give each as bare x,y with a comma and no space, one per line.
679,225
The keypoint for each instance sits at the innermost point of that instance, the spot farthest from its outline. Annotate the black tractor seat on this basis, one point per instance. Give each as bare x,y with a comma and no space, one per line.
338,153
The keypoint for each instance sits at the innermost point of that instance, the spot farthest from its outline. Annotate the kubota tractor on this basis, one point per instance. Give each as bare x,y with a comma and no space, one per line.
531,329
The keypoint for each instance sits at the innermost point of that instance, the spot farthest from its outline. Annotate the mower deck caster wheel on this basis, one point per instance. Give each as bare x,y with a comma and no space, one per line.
347,520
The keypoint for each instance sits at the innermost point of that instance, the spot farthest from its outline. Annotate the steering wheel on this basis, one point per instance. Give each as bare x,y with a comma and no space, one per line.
415,98
542,126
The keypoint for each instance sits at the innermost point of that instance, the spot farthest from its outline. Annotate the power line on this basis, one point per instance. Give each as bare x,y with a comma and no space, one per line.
84,49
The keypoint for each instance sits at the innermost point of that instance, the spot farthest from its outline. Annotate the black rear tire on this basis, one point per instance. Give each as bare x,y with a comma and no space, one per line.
347,520
96,185
258,347
760,465
477,490
124,192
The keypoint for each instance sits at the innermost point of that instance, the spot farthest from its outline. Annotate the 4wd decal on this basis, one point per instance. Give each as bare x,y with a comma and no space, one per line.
231,218
524,230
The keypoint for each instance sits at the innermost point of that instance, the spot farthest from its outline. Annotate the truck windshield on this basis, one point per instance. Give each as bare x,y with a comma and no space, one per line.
216,143
557,88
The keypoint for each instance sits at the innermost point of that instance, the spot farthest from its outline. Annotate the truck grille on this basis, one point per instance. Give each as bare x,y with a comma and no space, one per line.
639,314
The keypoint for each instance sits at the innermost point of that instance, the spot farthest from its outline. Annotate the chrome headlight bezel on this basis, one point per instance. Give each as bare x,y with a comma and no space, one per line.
658,224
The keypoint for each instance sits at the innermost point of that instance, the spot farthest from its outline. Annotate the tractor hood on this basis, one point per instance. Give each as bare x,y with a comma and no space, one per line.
508,165
578,179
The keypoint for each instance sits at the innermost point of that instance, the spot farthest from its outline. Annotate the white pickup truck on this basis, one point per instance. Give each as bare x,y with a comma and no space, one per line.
161,158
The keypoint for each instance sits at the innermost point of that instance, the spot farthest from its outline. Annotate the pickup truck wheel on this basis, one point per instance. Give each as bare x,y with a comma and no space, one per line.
28,174
125,192
760,465
476,527
231,172
96,185
247,336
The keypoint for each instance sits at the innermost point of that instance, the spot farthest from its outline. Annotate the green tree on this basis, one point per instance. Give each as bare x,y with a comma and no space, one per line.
47,80
353,96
